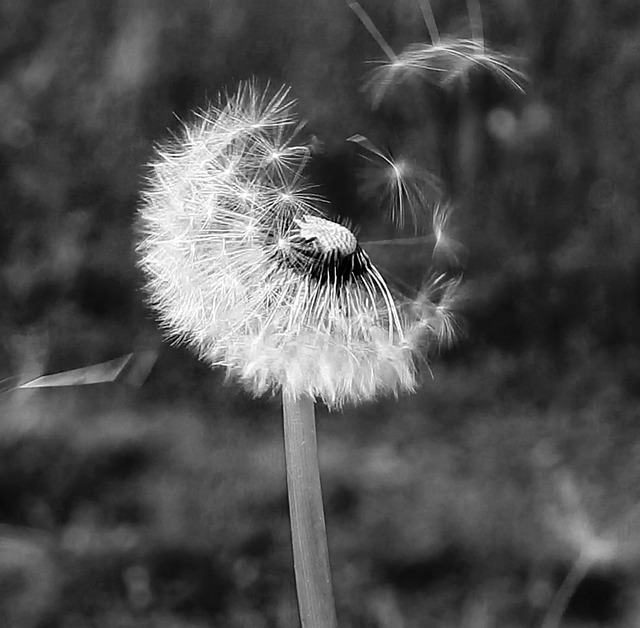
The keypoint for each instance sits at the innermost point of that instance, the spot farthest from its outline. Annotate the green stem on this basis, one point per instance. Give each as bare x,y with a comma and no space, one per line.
308,532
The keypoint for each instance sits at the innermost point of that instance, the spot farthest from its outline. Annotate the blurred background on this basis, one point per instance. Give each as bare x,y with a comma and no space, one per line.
515,467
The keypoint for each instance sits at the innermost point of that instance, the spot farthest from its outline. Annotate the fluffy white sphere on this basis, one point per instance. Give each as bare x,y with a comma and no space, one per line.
242,264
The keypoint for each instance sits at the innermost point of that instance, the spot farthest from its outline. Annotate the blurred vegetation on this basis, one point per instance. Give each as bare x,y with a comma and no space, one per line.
465,505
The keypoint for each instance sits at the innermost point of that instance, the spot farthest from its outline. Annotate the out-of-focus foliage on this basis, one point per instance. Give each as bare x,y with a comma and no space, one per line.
445,505
467,504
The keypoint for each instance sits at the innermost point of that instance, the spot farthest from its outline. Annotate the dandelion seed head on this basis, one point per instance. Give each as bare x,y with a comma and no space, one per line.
243,265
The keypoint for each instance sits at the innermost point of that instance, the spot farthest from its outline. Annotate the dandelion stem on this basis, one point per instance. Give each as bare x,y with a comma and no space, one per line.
310,553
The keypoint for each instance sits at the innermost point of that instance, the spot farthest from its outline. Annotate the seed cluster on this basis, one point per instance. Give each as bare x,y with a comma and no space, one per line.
243,265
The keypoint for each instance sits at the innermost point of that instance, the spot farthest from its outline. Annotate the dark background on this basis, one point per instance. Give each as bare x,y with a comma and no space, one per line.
464,505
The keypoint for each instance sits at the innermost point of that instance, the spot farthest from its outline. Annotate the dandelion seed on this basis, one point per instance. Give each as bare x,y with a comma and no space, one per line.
447,63
435,304
400,186
443,62
242,263
444,244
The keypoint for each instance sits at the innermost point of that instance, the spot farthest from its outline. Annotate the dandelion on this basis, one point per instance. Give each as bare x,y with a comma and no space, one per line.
243,264
444,62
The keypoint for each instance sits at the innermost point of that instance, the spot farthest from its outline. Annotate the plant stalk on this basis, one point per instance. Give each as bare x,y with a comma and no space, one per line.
308,533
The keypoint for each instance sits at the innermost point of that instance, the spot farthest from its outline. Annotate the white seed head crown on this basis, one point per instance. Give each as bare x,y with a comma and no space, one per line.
242,265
